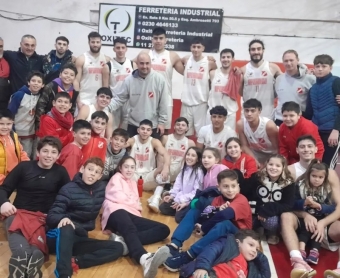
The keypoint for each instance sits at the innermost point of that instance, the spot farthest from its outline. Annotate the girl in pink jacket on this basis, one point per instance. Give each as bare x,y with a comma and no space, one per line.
122,214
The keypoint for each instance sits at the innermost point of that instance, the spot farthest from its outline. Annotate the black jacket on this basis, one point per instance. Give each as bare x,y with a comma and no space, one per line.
79,202
20,66
224,250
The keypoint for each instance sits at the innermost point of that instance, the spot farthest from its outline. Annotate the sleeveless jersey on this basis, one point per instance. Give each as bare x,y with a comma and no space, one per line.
119,73
259,84
144,155
91,79
299,169
258,140
176,148
216,97
196,82
161,62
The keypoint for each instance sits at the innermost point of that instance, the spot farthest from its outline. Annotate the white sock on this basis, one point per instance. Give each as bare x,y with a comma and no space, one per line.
158,191
338,266
296,254
143,258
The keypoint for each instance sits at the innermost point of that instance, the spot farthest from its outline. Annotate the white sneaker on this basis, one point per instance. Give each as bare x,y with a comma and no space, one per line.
159,179
154,260
120,239
154,203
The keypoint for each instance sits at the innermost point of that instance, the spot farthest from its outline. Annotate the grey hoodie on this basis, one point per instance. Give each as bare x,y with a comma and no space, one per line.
111,161
293,88
148,98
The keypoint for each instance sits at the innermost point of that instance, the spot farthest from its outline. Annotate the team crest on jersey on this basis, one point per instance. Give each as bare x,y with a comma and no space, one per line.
147,150
182,147
128,70
201,69
150,94
100,145
220,145
262,141
264,73
299,90
102,63
164,61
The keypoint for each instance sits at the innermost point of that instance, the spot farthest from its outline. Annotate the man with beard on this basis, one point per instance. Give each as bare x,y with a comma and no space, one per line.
55,60
114,73
146,93
218,95
164,61
5,93
258,79
89,66
22,62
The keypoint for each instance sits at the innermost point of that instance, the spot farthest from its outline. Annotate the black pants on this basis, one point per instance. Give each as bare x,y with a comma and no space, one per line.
330,156
88,252
132,130
136,231
278,122
306,237
166,209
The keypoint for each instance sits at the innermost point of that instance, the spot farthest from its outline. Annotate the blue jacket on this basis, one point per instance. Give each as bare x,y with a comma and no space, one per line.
224,250
325,108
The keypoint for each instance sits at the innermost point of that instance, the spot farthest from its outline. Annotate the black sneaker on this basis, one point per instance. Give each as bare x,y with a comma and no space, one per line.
174,263
34,264
17,264
173,250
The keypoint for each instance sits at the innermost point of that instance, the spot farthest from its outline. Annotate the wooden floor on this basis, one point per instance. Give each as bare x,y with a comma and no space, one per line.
123,267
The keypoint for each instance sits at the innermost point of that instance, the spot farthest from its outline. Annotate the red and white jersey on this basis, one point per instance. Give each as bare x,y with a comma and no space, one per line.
91,79
216,97
259,84
176,148
144,155
161,62
196,82
119,72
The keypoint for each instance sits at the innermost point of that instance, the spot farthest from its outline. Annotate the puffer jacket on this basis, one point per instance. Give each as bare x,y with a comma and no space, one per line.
79,202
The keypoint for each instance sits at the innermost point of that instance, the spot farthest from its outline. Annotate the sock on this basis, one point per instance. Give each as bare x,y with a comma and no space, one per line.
338,266
158,191
296,254
143,258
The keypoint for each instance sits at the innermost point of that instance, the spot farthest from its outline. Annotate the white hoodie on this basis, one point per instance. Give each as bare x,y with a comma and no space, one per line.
148,98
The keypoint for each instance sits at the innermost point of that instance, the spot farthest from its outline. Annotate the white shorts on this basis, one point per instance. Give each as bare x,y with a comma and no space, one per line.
329,246
148,178
229,122
196,116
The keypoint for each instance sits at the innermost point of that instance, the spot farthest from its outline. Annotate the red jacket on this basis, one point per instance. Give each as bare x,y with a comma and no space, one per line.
71,157
95,147
50,127
32,225
246,164
288,138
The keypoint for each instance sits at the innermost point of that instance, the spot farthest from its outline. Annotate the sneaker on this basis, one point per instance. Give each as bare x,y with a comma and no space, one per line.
303,254
313,257
159,179
34,264
115,237
173,264
154,260
301,269
173,250
165,193
17,264
154,203
332,273
75,266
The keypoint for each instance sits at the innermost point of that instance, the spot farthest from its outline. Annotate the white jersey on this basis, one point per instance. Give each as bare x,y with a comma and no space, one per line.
176,148
119,72
207,137
258,140
196,82
161,62
93,109
216,97
91,79
144,155
259,84
299,169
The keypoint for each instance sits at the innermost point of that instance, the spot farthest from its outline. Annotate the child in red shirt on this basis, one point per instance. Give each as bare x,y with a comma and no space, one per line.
59,120
71,156
97,144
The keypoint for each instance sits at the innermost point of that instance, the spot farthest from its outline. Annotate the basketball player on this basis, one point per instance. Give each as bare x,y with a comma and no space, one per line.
164,61
177,144
258,135
196,86
114,73
89,66
143,150
219,79
217,133
258,79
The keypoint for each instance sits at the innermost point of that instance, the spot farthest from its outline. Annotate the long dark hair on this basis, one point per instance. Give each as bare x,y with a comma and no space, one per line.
198,164
122,161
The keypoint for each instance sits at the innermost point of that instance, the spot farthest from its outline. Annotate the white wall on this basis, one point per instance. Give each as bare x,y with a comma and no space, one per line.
315,25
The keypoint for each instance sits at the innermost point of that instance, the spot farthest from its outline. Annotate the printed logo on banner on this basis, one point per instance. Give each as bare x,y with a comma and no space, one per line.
117,21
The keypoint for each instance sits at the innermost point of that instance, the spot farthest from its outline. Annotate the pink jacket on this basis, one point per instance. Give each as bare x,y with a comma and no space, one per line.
120,193
210,179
